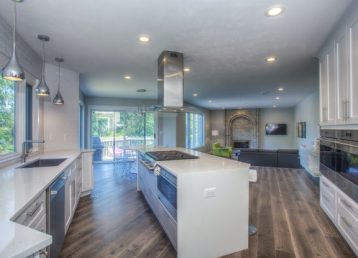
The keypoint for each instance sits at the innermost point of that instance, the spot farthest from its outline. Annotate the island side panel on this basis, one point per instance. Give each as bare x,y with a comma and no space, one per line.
212,226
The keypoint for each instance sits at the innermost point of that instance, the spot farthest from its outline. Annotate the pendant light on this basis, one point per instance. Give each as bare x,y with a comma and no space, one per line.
13,70
58,100
42,89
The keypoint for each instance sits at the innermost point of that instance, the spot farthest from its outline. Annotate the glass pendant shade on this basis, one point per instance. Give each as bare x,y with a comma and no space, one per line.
13,70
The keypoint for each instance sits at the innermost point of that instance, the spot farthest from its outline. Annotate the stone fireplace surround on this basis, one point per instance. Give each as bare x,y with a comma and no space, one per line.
242,126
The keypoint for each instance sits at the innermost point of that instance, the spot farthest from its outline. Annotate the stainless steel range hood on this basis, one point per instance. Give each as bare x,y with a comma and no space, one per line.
171,83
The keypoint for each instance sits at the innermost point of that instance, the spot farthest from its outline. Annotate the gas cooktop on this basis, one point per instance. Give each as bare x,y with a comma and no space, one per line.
169,155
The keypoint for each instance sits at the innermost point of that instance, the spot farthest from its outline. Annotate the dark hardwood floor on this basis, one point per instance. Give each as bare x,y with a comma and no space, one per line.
115,220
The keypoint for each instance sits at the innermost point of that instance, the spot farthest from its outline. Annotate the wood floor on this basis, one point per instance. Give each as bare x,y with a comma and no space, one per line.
115,220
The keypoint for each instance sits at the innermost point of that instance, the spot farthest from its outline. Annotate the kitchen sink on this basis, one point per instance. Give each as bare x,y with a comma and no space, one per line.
43,163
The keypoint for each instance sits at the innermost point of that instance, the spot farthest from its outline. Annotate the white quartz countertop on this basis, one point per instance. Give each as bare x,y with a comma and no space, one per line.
206,163
18,188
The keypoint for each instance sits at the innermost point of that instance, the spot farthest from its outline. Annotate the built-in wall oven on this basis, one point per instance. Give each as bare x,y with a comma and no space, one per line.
167,190
339,154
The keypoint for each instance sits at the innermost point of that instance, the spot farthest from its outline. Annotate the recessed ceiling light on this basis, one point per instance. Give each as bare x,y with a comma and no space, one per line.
274,11
195,94
144,38
271,59
210,101
186,69
141,90
277,98
280,89
127,77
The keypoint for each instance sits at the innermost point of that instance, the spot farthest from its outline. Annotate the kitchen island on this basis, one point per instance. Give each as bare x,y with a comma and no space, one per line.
202,203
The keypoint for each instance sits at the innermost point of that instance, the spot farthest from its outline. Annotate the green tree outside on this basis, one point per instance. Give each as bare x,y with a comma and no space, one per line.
7,116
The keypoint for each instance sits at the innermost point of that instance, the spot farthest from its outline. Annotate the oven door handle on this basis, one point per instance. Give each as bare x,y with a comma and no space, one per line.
146,165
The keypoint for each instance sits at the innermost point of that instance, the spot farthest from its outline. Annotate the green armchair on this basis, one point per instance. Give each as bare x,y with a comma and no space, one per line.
217,150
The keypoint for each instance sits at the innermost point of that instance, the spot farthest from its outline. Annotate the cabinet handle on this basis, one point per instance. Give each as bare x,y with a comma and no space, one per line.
347,109
44,252
346,222
345,203
31,213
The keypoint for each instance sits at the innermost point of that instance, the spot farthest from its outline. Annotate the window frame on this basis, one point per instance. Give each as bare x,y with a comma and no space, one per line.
187,130
20,119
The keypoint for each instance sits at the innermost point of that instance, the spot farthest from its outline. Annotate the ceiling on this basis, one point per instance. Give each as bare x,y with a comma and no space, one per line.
225,44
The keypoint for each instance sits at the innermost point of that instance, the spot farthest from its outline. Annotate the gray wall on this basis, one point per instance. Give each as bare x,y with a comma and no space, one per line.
274,115
308,111
217,122
277,115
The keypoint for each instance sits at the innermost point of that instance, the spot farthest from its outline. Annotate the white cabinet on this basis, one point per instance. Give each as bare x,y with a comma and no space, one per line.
328,198
34,216
73,185
147,183
328,87
68,194
338,71
342,53
342,210
323,81
353,89
87,172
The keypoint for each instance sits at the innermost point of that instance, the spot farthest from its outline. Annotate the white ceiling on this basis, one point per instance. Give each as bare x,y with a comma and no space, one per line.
225,43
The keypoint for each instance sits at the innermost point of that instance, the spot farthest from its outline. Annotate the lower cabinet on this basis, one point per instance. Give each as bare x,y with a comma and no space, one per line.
35,216
342,210
73,188
147,183
87,172
79,180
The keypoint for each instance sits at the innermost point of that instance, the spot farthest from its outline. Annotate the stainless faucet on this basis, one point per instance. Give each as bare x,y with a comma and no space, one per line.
25,152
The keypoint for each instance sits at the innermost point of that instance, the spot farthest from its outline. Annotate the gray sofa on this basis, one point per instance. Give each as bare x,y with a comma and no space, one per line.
287,158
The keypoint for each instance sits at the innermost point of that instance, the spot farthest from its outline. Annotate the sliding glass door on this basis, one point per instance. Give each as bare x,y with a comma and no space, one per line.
113,132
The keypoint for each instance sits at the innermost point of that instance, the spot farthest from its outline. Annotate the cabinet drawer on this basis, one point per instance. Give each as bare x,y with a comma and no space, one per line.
347,204
33,212
328,203
327,186
168,223
41,224
348,226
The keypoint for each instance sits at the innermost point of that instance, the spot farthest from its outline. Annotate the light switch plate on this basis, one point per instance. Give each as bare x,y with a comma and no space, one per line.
210,192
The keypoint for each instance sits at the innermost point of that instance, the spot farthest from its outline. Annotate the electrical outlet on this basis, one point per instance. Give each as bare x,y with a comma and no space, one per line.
210,192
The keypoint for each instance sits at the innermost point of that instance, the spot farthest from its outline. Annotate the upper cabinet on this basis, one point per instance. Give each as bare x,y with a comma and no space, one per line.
328,87
353,86
342,71
338,71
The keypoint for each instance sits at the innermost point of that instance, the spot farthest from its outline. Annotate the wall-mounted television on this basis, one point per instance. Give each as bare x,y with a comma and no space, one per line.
276,129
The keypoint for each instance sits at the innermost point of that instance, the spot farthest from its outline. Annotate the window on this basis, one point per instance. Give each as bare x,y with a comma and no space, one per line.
194,128
19,118
7,117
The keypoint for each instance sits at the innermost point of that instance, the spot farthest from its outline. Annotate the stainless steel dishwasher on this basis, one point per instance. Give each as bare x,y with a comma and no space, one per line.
57,215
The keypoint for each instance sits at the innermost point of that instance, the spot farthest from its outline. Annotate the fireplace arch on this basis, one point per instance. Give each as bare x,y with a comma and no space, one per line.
242,130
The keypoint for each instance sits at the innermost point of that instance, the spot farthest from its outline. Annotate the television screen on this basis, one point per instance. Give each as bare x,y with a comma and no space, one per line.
276,129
